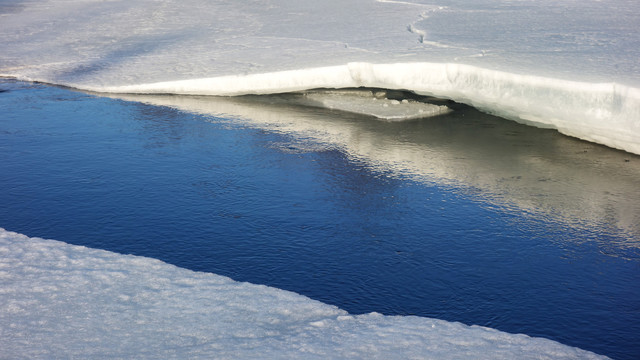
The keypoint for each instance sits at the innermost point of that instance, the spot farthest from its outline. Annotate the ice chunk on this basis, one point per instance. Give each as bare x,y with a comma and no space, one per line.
366,102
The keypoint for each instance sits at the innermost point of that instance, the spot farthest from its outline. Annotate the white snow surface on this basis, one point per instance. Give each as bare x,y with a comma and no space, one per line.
571,65
64,301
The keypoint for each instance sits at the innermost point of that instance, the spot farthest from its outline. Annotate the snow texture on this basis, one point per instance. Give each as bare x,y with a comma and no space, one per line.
569,65
64,301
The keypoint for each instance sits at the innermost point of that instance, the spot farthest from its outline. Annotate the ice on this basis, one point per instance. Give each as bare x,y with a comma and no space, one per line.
374,104
64,301
380,104
608,114
569,65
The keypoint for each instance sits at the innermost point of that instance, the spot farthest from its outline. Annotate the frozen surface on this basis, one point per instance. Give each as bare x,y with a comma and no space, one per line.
59,300
384,105
569,65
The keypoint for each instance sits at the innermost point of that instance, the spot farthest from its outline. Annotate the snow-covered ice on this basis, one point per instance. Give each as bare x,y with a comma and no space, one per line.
570,65
64,301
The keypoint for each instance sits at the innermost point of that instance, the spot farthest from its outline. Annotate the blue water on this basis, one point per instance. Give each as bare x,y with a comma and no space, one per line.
217,195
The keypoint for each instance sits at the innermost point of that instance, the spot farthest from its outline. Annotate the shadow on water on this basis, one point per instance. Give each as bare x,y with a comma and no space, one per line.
463,217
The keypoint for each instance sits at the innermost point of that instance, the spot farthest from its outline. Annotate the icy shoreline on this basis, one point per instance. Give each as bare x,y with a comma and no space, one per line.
62,300
603,113
524,61
608,114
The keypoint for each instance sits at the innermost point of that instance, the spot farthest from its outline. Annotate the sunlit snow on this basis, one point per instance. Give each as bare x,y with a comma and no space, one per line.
64,301
569,65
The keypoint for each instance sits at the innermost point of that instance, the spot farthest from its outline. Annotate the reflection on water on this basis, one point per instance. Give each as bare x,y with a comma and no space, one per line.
512,166
463,217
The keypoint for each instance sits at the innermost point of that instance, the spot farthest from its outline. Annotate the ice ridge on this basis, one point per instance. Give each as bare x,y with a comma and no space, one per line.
604,113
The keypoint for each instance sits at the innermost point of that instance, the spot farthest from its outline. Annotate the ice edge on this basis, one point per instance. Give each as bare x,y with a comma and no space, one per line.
604,113
125,304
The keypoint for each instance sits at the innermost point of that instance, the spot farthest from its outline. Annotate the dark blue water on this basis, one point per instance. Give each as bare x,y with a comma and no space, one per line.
217,195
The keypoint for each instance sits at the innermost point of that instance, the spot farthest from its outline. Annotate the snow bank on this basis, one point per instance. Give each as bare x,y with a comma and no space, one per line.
63,301
608,114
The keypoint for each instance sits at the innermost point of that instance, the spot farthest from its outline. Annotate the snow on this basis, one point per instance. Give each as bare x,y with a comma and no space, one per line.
608,113
569,65
64,301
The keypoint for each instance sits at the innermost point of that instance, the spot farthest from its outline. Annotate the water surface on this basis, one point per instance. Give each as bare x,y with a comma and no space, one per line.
464,217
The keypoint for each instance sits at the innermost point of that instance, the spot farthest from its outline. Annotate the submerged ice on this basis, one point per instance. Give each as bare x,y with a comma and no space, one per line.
380,104
60,300
510,59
